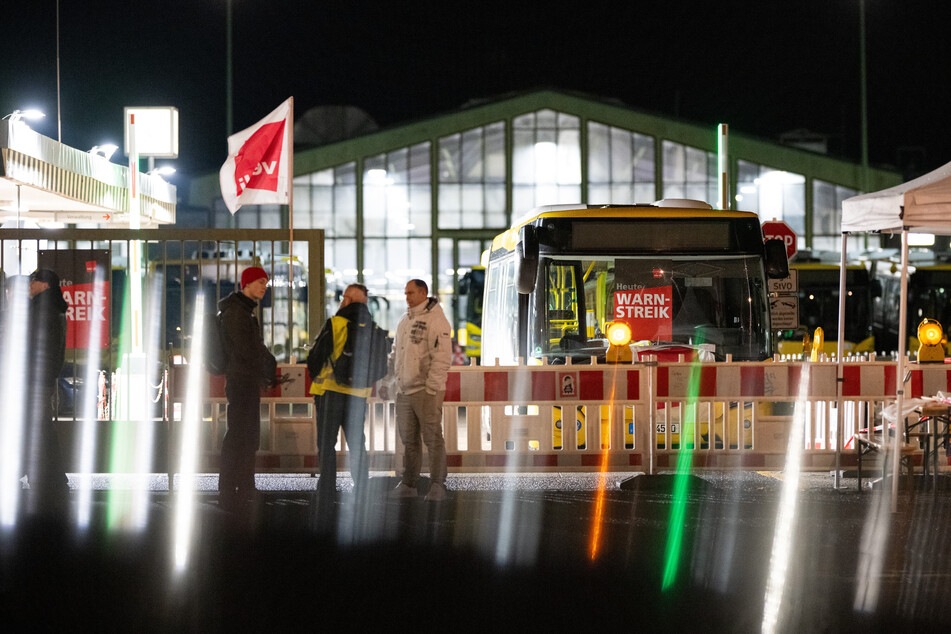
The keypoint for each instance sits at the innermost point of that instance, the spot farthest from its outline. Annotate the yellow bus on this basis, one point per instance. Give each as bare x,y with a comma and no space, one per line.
818,279
929,296
674,271
471,286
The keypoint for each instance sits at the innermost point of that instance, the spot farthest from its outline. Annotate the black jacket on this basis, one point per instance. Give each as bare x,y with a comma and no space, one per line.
47,337
320,354
248,357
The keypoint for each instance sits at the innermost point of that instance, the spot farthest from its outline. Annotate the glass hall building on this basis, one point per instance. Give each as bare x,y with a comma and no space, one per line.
426,198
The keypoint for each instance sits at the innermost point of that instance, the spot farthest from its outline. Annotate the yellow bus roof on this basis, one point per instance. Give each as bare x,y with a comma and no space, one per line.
508,239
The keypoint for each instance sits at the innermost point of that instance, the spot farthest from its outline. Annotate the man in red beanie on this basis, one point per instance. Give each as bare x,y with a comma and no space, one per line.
250,367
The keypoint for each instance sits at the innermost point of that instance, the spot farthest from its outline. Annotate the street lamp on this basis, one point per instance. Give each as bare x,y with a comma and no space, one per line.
163,170
105,151
31,114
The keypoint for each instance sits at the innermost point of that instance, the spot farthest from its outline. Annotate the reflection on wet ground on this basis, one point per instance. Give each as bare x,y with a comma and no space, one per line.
507,551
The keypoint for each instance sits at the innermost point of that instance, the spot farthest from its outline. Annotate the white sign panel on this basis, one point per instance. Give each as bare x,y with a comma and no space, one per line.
784,312
156,131
787,284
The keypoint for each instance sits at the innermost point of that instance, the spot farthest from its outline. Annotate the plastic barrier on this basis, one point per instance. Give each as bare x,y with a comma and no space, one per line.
499,418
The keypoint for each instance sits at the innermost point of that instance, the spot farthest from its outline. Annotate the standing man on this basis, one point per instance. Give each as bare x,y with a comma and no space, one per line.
421,357
339,405
45,469
250,367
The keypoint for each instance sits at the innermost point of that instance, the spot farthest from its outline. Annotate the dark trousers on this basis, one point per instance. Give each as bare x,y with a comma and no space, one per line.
336,410
44,466
241,441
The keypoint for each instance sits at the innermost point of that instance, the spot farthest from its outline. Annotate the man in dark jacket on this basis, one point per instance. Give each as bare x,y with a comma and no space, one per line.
44,465
250,367
339,405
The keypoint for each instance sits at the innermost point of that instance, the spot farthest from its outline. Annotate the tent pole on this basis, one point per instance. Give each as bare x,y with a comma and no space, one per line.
840,350
900,378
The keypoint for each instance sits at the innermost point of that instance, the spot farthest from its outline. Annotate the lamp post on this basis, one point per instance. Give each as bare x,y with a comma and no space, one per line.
863,97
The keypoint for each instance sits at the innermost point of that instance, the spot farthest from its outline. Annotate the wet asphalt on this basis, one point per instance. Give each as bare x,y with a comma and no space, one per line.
559,552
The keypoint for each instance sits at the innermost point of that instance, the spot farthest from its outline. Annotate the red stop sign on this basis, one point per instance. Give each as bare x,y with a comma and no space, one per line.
779,230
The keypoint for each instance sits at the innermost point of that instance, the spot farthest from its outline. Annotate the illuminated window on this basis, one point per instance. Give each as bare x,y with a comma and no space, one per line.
546,161
472,179
620,166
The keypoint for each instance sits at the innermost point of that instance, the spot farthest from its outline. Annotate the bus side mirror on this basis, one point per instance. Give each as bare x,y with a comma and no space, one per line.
526,259
777,264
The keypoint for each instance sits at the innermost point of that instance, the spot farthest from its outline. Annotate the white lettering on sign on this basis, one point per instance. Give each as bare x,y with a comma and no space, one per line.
647,312
85,306
642,312
787,239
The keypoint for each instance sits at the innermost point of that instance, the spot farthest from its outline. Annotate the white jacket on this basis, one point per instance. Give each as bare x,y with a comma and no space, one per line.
422,351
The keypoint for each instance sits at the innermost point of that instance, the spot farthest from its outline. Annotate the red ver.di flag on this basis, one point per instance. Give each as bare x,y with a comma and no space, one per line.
257,171
84,276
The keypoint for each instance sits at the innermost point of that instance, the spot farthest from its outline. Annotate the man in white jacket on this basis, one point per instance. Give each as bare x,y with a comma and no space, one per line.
422,354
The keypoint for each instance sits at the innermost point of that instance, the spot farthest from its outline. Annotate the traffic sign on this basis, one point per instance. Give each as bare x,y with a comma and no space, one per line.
781,231
784,312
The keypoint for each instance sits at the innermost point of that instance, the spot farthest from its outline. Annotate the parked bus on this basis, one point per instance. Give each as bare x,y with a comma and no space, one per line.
929,295
818,292
675,272
472,286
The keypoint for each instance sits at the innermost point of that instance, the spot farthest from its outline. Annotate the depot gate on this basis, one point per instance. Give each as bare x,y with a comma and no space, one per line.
178,263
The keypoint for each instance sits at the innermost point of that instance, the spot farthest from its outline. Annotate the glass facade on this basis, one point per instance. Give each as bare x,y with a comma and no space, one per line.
689,173
427,210
546,160
621,165
472,169
827,217
773,194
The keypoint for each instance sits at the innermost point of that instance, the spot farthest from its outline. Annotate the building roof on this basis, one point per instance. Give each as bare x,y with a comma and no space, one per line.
205,190
49,181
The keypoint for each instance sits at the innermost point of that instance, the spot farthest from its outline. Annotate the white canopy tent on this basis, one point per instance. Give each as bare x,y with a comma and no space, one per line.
922,205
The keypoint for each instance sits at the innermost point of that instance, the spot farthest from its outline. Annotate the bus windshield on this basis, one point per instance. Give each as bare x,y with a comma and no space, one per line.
685,299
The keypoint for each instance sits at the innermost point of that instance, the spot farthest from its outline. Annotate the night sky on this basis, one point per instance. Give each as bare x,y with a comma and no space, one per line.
762,67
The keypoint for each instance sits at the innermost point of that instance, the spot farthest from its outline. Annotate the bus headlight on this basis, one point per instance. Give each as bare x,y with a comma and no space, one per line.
930,335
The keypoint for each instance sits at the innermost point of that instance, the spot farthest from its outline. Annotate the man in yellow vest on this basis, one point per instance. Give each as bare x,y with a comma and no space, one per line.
338,405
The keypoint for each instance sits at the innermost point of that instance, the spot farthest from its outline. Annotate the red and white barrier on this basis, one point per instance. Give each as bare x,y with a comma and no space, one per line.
499,417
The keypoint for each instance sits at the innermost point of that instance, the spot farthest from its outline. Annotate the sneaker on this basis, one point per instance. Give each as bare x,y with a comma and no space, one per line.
402,491
437,493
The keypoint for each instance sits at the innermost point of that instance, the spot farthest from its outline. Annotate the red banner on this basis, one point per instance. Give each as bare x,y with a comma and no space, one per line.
84,279
647,311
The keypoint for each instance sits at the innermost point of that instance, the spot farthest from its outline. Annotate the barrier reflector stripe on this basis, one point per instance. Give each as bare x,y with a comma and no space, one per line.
916,384
852,380
496,386
453,385
543,386
793,379
708,381
663,382
633,385
751,381
592,385
891,378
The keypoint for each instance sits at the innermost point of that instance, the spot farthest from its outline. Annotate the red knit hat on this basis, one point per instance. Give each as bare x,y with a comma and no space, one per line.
251,274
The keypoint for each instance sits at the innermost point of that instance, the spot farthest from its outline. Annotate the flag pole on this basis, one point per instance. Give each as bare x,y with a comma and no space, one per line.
290,250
